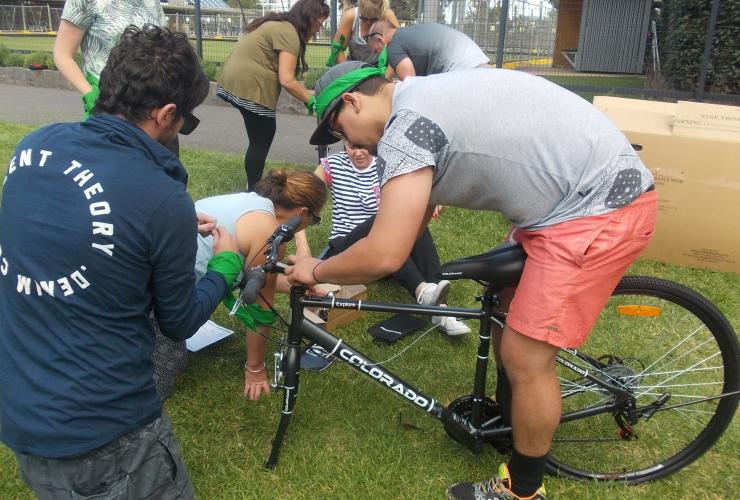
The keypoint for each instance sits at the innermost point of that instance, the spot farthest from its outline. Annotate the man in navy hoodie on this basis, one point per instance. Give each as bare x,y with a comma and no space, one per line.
96,231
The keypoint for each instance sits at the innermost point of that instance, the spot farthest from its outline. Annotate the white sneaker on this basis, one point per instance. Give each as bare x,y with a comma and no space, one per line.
433,294
451,326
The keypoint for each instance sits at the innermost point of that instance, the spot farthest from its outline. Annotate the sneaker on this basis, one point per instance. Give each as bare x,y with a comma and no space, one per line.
433,294
496,488
316,359
451,326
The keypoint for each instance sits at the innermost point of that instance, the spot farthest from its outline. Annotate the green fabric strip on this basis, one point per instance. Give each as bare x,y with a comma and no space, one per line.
347,81
251,315
89,99
228,265
337,47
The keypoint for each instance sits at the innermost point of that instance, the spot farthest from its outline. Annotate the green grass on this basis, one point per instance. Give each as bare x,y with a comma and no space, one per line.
213,50
348,437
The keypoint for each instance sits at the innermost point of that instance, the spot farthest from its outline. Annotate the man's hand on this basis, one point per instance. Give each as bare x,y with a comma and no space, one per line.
301,272
223,241
206,224
255,383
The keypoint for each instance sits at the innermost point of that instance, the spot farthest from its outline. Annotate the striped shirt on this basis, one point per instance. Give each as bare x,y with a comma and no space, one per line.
238,102
354,193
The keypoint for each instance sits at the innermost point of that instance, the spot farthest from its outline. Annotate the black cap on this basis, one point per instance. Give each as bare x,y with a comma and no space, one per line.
322,135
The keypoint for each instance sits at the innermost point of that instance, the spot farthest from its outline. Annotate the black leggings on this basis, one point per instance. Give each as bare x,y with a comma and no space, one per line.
422,265
261,132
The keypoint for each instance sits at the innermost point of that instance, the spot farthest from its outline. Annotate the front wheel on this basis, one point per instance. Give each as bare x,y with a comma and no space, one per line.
669,346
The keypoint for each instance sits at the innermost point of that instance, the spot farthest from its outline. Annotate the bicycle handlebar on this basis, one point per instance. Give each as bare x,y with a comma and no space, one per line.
254,279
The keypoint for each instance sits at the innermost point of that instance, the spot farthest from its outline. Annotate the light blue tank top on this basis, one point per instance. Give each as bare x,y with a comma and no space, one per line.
227,209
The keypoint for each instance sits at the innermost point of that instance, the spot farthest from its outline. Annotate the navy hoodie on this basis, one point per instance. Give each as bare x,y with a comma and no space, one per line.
96,230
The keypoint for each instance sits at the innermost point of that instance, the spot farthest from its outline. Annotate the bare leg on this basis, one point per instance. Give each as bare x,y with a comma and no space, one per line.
536,402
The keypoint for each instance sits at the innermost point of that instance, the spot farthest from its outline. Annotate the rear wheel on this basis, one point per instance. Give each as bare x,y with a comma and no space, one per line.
659,340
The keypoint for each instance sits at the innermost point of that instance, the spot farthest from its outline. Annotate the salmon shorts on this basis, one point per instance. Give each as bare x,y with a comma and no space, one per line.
572,269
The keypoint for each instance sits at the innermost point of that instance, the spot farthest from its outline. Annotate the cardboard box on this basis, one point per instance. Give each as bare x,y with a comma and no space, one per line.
693,151
338,317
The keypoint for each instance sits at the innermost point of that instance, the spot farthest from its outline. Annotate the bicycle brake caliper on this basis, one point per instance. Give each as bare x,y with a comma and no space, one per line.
277,372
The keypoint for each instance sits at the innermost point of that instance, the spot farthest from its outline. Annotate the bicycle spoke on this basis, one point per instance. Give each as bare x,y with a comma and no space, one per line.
677,352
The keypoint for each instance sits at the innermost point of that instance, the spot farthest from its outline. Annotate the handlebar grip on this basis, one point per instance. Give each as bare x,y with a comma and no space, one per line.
255,280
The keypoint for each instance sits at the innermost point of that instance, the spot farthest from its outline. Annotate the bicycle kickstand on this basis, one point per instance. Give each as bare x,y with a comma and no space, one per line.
290,392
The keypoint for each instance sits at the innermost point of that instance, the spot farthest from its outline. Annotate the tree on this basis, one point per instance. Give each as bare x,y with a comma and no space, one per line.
681,40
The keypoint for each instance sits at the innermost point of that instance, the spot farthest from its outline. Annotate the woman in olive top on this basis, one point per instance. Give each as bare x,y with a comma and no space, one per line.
265,60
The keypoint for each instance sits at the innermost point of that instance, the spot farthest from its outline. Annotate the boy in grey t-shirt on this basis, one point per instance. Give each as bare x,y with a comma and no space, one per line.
425,49
581,203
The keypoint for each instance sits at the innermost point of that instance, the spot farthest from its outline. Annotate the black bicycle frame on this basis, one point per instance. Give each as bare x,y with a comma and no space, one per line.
471,432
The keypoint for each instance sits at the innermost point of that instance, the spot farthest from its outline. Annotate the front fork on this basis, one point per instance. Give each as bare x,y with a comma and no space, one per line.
290,368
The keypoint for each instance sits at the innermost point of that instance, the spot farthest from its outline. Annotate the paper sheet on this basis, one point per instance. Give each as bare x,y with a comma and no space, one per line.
206,335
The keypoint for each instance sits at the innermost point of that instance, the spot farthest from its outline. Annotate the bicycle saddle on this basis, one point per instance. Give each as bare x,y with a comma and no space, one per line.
500,266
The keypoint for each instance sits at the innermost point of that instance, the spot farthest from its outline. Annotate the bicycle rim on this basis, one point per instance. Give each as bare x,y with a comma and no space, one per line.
656,337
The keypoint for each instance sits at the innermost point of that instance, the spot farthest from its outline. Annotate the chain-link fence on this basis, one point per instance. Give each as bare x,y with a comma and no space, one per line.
673,49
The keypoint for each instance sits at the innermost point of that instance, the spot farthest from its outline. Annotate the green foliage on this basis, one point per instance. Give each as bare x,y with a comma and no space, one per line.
684,26
42,58
211,69
4,54
311,76
15,59
8,58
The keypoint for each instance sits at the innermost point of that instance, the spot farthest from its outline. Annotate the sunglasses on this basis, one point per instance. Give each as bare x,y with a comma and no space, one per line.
370,35
189,124
333,120
315,219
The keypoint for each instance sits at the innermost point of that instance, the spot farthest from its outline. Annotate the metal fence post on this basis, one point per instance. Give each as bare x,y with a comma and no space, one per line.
333,22
503,15
708,42
198,32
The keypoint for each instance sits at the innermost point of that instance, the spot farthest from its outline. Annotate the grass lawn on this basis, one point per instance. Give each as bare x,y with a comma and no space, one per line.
350,439
213,50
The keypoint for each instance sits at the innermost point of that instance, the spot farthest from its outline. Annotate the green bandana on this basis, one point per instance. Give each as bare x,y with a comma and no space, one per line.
336,49
89,99
347,81
228,265
251,315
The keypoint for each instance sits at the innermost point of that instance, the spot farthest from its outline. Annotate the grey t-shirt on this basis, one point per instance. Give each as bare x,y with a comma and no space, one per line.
511,142
226,209
434,48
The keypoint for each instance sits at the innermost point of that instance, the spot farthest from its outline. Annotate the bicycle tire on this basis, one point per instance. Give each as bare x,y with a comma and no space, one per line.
650,363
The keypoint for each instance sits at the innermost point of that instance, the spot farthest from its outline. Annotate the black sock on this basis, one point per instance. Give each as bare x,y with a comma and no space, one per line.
526,473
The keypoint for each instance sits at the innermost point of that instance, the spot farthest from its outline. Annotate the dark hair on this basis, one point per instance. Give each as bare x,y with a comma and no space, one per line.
372,85
293,188
149,68
301,15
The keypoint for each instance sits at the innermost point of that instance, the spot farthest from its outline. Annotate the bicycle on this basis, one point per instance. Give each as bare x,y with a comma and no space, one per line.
675,386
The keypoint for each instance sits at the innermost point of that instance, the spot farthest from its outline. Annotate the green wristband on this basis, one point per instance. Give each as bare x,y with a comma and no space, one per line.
311,105
89,99
337,47
228,265
251,315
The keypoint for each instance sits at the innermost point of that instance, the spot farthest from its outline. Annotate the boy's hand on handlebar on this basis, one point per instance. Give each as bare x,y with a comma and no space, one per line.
301,270
223,241
255,384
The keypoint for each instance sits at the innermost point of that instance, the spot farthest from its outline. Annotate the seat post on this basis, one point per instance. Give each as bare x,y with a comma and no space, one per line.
484,349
